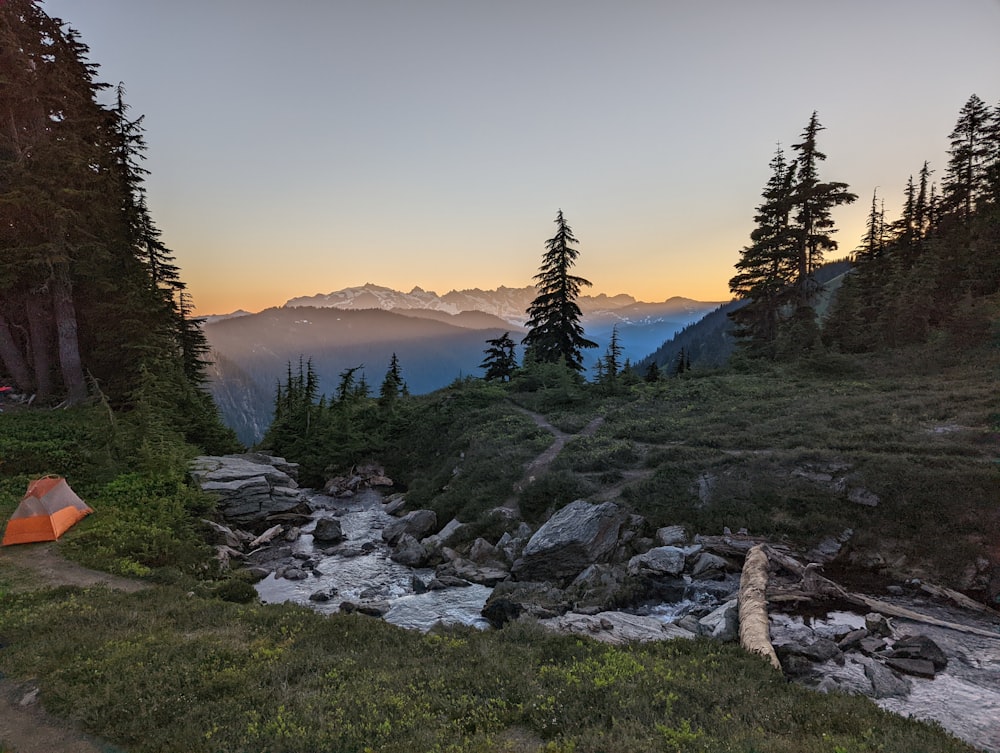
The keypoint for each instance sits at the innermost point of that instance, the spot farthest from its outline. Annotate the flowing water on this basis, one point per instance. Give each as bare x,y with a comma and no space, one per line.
366,573
964,698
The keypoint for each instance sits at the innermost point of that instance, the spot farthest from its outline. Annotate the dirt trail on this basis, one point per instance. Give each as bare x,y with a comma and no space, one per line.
543,462
25,727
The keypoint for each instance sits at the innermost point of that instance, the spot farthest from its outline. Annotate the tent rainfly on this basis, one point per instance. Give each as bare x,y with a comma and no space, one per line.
47,511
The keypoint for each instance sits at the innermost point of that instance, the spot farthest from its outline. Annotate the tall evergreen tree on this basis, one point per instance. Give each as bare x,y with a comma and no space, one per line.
767,267
554,329
814,200
969,157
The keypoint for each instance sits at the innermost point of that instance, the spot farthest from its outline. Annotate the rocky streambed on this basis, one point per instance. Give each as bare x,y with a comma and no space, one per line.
596,570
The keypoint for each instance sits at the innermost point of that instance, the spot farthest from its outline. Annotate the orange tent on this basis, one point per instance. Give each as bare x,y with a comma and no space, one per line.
46,512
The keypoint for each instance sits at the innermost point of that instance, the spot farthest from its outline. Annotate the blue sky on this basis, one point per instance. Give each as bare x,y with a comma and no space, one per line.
305,146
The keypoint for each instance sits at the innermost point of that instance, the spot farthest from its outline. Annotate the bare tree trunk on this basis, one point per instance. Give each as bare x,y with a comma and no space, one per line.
69,344
13,359
754,626
39,333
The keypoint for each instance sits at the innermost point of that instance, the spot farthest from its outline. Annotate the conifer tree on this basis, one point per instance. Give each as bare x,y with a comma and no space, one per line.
393,385
613,356
500,362
554,329
767,267
652,373
814,200
970,154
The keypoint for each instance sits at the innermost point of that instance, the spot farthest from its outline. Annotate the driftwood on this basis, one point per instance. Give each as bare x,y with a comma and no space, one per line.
269,534
754,626
815,585
891,610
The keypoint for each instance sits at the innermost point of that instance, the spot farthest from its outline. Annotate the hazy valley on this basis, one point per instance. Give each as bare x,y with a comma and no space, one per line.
437,339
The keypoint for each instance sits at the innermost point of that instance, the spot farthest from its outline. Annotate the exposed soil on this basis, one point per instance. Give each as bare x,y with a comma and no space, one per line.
25,727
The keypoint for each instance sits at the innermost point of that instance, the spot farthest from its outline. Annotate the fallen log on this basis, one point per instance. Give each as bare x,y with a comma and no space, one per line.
891,610
265,537
754,625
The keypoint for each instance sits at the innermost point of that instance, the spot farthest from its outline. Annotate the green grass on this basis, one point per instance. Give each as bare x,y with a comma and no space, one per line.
160,670
182,667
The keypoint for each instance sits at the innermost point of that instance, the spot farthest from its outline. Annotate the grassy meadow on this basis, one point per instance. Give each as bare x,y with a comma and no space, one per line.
194,664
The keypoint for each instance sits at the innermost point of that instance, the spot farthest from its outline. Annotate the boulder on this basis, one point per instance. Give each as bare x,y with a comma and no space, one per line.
615,627
603,587
445,536
878,625
328,531
852,639
417,524
409,552
487,574
917,667
885,682
707,565
722,623
512,599
919,647
369,607
247,489
671,536
662,560
578,535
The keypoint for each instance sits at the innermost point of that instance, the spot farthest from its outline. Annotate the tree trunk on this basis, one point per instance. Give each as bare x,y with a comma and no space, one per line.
13,359
39,333
755,633
69,343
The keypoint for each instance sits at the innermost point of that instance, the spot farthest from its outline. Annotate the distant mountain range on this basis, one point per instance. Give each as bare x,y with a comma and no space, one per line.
436,338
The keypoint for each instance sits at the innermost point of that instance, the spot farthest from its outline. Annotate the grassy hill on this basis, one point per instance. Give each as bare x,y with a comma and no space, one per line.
176,667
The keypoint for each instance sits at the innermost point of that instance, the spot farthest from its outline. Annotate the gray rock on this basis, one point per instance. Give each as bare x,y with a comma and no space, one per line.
483,551
690,623
878,624
919,647
486,575
885,683
872,644
601,587
615,627
371,608
661,560
445,536
394,504
918,667
323,595
511,599
723,622
247,491
417,524
408,551
578,535
864,497
671,536
328,531
708,565
852,640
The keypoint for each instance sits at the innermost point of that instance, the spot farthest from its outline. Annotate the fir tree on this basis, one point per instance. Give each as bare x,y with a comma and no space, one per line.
813,200
393,385
970,155
652,373
767,267
500,362
554,329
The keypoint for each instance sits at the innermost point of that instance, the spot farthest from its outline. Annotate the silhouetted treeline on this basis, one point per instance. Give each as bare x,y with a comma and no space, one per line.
90,299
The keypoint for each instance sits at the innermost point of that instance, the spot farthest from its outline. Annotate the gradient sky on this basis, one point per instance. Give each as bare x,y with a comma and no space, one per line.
304,146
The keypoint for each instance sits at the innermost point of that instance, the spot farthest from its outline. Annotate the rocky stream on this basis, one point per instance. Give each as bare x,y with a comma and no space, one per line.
596,570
